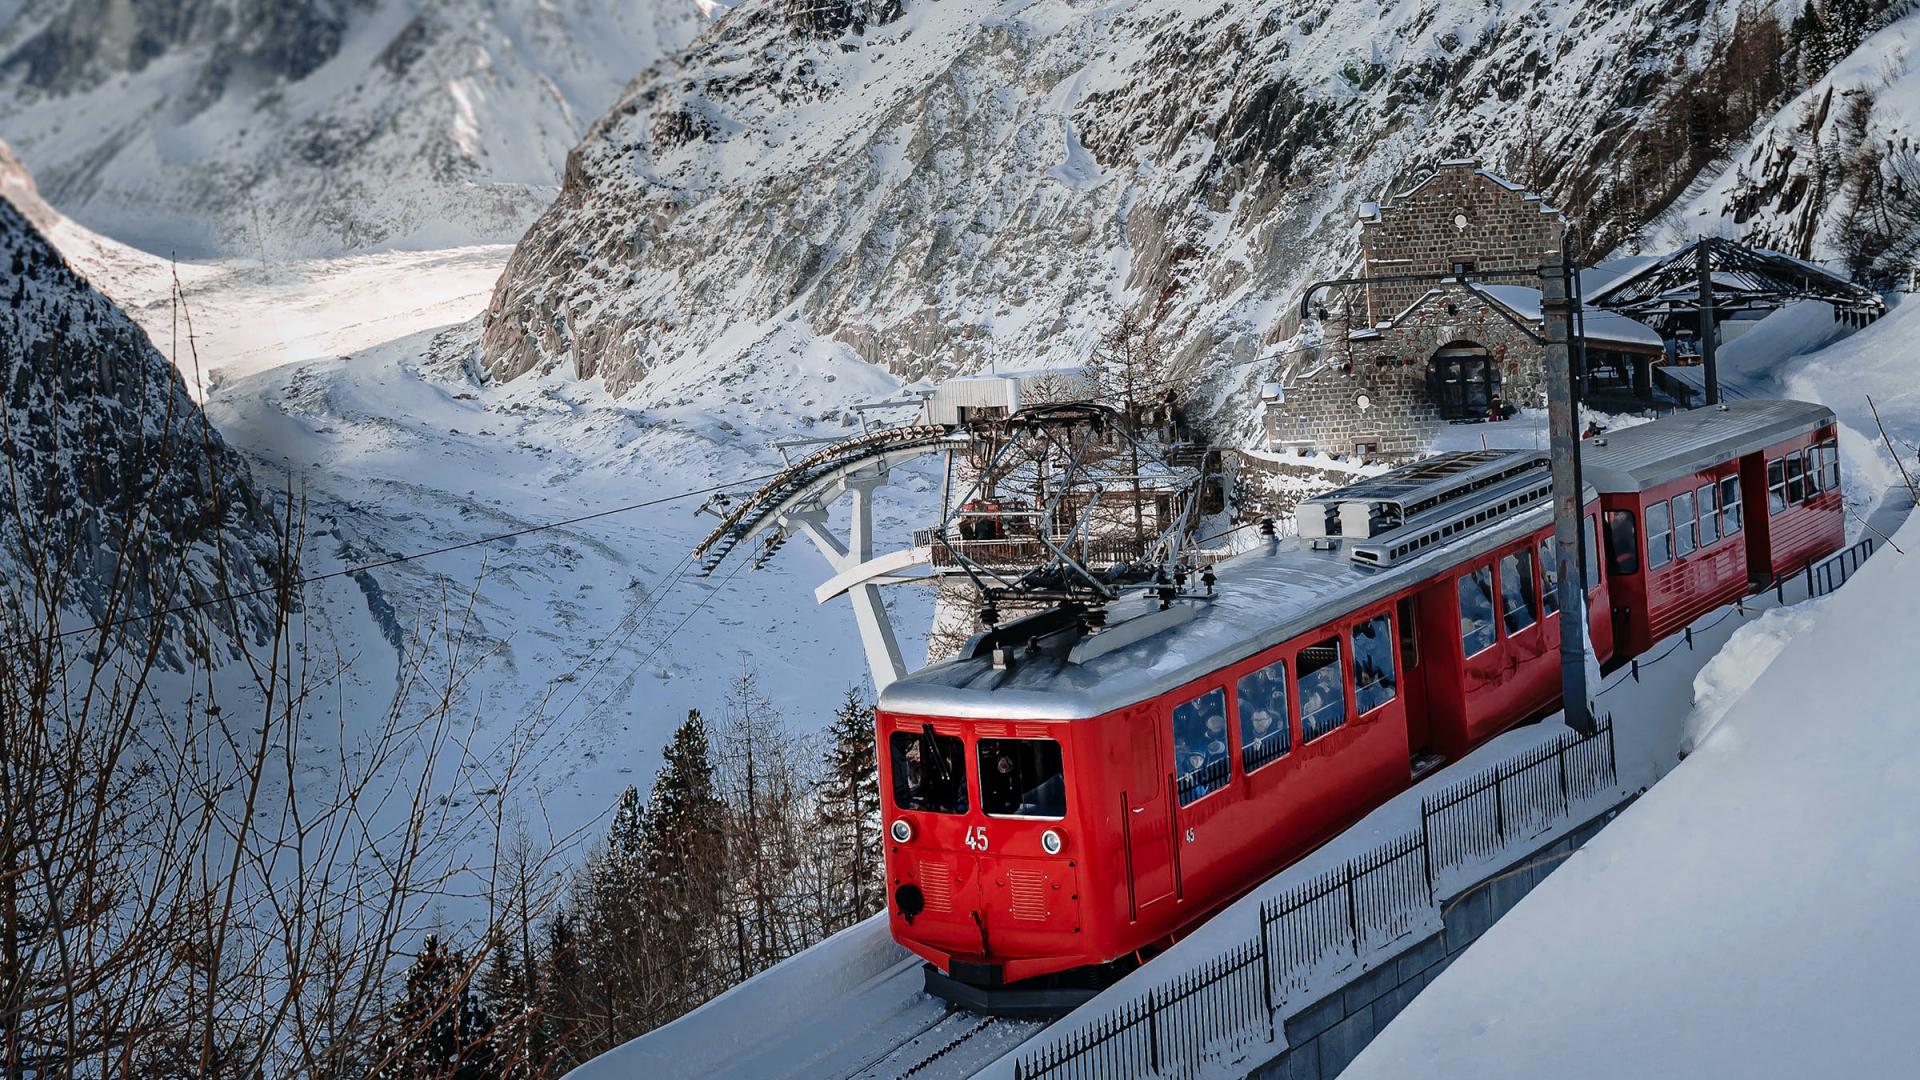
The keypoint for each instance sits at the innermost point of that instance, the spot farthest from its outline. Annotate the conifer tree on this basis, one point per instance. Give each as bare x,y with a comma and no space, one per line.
683,860
848,816
439,1027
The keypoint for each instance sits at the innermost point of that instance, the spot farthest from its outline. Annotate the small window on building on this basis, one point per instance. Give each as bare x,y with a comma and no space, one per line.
1709,499
1659,535
929,771
1776,486
1323,695
1796,481
1729,505
1476,611
1022,778
1549,578
1830,466
1200,745
1265,733
1623,543
1519,608
1373,679
1684,537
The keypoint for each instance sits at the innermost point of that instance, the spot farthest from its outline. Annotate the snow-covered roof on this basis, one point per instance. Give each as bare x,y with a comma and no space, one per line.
1646,455
1601,325
1752,914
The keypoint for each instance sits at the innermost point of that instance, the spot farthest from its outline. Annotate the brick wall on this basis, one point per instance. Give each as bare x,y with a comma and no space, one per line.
1322,407
1419,232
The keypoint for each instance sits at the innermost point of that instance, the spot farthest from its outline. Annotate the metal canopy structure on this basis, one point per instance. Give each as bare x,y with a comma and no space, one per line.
1665,293
1689,292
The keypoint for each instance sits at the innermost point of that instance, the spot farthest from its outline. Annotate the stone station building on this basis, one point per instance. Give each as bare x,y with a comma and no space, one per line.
1402,358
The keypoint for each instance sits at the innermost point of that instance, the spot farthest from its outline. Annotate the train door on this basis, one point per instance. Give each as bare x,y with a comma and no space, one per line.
1146,816
1413,678
1756,519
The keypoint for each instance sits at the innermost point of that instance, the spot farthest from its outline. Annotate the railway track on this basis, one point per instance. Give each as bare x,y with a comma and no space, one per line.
956,1044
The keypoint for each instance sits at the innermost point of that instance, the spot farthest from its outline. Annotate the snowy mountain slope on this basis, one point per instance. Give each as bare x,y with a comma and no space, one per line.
1834,176
589,642
272,128
111,470
982,181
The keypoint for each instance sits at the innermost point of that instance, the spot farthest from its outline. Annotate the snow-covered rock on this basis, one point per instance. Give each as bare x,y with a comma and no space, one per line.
272,128
980,180
119,493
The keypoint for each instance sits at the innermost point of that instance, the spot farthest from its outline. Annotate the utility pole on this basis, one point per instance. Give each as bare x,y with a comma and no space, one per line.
1563,419
1707,334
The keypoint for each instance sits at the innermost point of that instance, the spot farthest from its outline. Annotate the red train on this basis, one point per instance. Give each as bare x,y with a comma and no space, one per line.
1061,803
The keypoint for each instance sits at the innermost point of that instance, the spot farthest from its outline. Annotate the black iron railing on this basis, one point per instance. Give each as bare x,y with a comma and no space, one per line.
1835,571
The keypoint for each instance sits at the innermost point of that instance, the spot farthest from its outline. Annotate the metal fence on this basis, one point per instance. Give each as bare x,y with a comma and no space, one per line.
1174,1030
1326,923
1834,572
1476,817
1331,921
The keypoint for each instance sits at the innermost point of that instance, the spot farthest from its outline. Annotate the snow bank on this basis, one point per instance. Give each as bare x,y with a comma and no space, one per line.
1751,915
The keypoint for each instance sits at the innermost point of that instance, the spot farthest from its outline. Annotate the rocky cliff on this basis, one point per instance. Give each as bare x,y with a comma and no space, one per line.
121,498
954,183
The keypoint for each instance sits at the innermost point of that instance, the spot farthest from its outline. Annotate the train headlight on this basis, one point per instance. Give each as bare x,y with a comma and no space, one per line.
1051,842
900,831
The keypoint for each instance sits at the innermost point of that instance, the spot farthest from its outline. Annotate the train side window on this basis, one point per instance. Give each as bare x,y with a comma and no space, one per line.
1476,611
1265,733
929,771
1729,505
1022,778
1519,608
1549,578
1830,465
1776,486
1323,696
1623,543
1684,537
1659,535
1796,480
1200,745
1373,680
1708,497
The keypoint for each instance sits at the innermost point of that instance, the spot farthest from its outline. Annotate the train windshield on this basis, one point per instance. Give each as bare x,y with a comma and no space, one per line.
1022,778
929,771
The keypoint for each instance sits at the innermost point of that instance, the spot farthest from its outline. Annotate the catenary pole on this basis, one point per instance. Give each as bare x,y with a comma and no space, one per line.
1704,262
1556,311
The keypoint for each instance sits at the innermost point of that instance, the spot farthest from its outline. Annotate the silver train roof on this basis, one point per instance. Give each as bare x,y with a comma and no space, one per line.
1262,598
1637,458
1286,588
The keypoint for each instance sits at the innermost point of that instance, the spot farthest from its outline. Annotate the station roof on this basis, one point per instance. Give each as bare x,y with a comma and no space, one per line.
1638,458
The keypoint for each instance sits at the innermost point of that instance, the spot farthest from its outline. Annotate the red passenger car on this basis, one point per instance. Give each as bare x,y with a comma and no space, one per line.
1063,800
1683,499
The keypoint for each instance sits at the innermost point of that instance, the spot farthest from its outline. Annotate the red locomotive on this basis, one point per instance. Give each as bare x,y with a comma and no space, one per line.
1063,801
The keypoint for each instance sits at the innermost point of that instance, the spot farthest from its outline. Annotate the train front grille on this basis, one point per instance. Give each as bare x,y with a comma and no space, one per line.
936,881
1027,894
